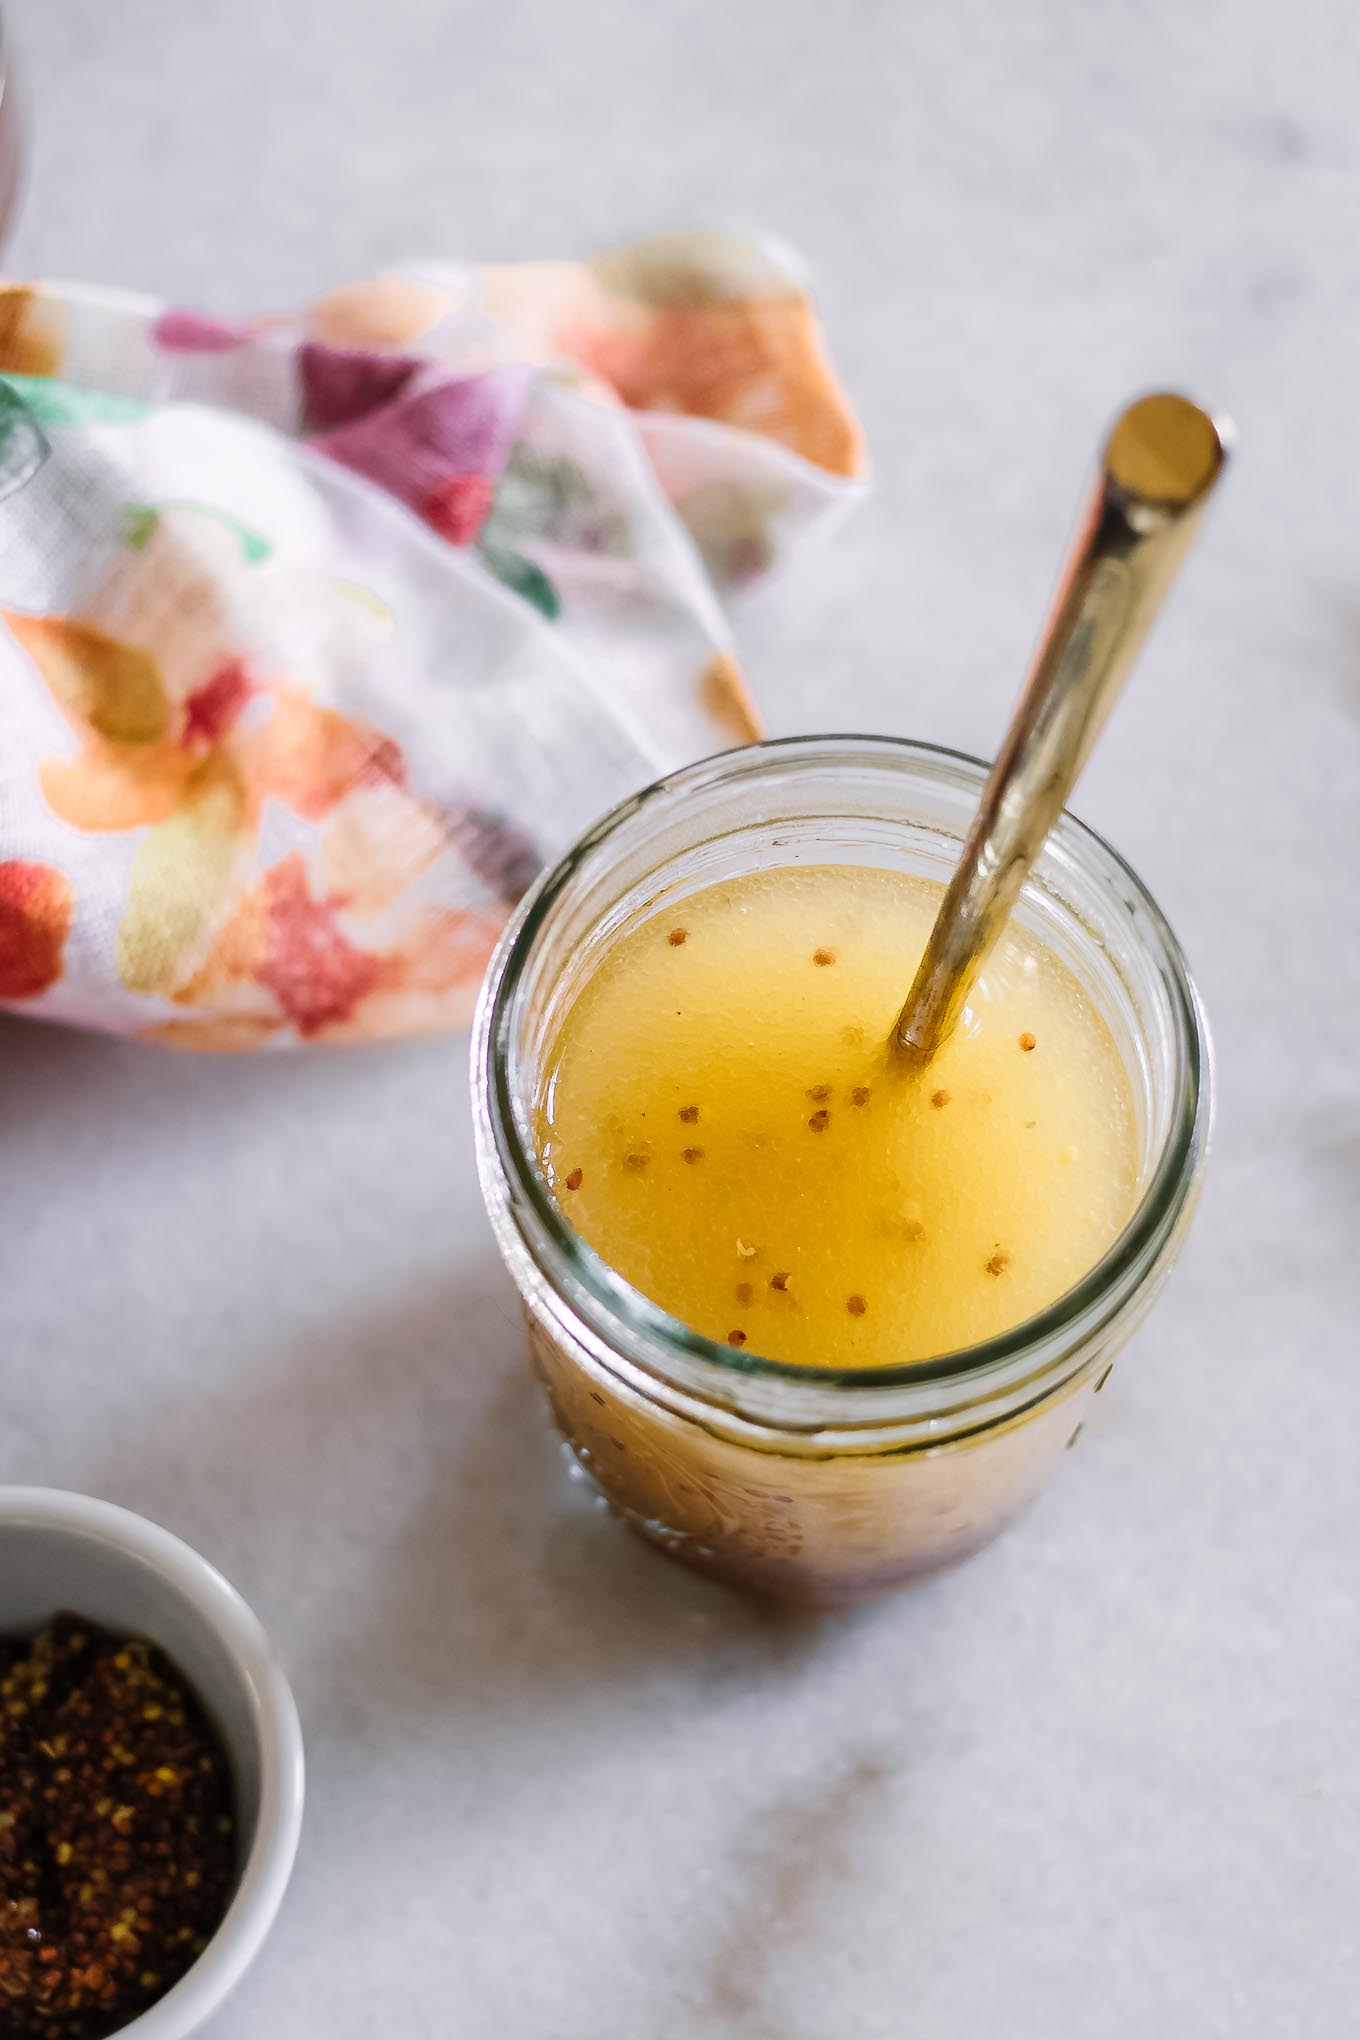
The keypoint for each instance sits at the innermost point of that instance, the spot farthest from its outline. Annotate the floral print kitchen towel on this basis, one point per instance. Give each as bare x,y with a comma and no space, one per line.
319,633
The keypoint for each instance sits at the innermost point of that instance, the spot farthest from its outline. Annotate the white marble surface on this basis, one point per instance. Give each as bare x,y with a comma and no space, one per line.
1105,1781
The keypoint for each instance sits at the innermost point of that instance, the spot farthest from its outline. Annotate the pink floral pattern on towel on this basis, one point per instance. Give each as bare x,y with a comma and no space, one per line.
319,632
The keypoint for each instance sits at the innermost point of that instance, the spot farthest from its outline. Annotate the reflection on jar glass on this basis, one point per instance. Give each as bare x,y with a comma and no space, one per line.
824,1483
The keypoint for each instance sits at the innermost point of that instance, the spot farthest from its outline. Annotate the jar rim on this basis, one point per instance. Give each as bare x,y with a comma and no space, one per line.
623,1306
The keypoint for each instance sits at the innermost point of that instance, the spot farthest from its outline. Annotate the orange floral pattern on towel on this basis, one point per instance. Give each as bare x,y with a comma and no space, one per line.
35,919
193,775
320,631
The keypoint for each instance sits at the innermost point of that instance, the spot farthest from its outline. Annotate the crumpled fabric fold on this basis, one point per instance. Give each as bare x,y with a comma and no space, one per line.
320,632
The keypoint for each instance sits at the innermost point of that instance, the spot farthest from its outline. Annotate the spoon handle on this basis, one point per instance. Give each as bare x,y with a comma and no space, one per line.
1160,463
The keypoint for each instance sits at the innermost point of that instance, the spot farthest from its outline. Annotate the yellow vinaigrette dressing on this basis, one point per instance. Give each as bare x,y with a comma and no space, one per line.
726,1123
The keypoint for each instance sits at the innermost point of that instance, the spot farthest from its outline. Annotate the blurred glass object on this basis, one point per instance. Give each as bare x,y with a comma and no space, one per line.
11,138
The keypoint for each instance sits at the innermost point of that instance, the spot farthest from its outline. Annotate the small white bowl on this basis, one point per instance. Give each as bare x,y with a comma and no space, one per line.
69,1551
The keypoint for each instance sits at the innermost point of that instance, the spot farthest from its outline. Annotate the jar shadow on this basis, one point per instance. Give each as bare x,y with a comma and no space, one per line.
394,1499
387,1489
508,1587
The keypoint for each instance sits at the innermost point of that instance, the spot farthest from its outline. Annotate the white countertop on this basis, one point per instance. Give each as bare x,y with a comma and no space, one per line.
1104,1782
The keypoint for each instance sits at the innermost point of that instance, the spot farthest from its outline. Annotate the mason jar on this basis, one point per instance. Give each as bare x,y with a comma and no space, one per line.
824,1483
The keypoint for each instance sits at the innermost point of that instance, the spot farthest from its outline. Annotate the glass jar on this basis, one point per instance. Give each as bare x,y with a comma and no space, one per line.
824,1484
11,138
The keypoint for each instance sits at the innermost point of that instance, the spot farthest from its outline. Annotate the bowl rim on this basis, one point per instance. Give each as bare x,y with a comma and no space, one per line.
278,1731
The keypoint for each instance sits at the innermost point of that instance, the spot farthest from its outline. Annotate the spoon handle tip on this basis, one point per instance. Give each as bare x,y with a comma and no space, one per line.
1161,461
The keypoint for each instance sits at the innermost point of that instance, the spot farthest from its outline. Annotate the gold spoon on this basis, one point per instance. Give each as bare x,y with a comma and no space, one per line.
1159,467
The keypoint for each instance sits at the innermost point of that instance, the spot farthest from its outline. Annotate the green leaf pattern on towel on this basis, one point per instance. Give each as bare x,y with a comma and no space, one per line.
140,522
524,578
59,403
547,496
